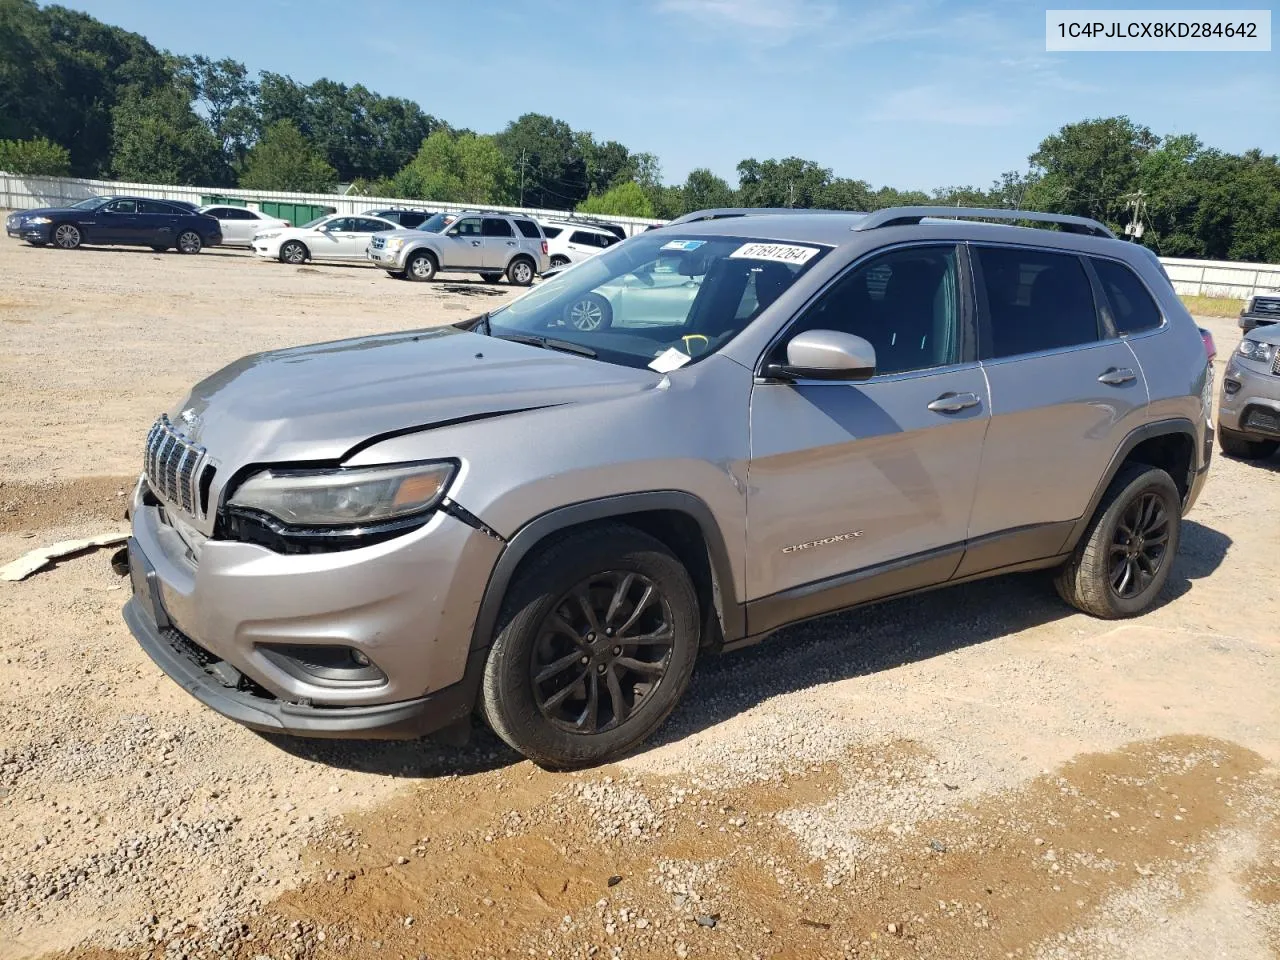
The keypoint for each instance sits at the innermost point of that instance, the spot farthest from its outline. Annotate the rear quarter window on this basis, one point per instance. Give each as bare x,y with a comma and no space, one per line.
529,229
551,232
1131,305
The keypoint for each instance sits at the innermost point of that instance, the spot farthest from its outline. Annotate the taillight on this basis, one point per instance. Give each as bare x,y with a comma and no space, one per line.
544,247
1210,349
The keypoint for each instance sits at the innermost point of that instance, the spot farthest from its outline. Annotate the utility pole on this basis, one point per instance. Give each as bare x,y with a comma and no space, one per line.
1134,228
522,156
791,193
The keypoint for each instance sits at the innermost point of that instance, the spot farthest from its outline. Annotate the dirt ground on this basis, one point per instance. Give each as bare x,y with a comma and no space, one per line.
978,772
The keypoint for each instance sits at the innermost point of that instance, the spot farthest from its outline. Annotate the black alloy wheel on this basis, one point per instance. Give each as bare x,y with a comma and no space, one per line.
603,648
1140,545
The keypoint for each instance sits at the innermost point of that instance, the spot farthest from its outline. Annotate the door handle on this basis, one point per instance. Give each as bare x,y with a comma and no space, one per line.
954,402
511,243
1114,376
475,243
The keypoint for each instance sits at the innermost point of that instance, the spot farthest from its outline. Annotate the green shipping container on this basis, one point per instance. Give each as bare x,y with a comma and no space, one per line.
296,213
208,200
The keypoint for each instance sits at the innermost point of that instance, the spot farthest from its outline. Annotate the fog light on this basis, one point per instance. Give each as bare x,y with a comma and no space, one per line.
1232,387
359,658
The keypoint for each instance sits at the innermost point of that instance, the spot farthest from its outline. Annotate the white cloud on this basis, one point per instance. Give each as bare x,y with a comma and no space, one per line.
943,104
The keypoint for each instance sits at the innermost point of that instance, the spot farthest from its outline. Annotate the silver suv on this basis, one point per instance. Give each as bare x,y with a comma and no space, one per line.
1249,410
778,417
493,245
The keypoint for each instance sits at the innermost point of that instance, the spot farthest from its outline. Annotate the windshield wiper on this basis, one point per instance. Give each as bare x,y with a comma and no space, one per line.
549,343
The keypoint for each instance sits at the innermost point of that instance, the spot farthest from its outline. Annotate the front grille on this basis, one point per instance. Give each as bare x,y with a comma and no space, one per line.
173,466
377,243
1275,364
1262,420
1267,305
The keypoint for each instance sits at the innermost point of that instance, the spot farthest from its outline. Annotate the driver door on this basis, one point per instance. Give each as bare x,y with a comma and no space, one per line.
864,489
464,245
118,223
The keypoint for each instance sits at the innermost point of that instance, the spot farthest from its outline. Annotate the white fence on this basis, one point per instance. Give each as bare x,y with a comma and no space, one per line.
1216,278
17,192
1210,278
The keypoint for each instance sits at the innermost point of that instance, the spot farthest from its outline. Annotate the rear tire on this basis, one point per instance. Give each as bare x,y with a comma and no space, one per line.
538,695
1123,560
294,252
189,242
421,266
520,272
67,236
1238,445
559,260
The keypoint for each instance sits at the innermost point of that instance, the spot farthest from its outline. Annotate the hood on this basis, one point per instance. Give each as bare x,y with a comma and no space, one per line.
409,232
52,211
316,403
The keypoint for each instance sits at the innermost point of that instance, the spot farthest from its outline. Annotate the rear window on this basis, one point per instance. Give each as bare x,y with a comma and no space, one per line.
494,227
529,229
1131,304
552,231
1036,301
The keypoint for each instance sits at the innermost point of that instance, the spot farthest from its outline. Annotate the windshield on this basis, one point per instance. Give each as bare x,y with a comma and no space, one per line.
88,203
658,300
316,222
438,222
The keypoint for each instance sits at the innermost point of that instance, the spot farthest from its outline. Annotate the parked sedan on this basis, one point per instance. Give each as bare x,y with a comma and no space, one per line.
157,224
240,224
335,237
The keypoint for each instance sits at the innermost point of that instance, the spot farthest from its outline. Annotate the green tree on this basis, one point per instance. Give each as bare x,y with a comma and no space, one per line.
1089,168
284,160
791,182
703,190
159,139
626,200
550,170
226,94
36,157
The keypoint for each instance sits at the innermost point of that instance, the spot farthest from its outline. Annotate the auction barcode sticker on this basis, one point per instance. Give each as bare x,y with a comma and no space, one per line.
1148,30
781,252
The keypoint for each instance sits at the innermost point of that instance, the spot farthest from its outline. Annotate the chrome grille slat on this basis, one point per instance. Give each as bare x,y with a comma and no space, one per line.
173,466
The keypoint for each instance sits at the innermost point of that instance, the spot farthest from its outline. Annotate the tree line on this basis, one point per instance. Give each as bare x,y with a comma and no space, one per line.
78,96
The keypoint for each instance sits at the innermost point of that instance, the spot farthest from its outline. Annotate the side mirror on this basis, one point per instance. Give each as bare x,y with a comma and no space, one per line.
826,355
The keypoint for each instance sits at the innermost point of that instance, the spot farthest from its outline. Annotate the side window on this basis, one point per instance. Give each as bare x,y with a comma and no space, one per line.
529,229
582,237
606,239
218,213
241,213
1131,304
152,206
123,206
468,227
1036,300
340,225
905,303
365,225
494,227
552,232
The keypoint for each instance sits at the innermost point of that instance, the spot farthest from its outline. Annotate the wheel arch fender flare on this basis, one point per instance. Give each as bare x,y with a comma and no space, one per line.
1147,431
536,531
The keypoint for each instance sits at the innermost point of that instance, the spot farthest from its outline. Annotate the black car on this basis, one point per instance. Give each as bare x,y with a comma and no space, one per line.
157,224
406,218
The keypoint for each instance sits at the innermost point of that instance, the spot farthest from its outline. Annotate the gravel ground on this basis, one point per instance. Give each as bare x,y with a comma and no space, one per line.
977,772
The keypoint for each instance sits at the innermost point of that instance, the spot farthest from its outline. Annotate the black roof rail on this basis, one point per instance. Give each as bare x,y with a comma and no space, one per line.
908,216
719,213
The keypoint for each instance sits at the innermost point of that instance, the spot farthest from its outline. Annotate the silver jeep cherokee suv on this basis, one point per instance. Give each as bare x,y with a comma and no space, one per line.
1249,409
493,245
781,416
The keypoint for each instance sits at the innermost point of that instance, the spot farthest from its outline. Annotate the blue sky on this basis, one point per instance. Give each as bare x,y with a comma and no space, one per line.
920,93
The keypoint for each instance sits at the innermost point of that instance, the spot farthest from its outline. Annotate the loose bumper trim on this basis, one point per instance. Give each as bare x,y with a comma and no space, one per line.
405,720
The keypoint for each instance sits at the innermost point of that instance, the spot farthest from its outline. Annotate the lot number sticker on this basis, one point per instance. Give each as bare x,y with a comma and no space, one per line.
670,359
780,252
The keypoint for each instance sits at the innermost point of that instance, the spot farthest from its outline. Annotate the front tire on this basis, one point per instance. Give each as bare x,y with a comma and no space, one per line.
67,236
421,266
1238,445
491,277
589,313
189,242
595,646
520,272
294,252
1123,560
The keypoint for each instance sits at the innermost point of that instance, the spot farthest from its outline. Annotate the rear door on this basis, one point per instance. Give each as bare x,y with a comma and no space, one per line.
874,478
1064,392
362,231
463,246
158,223
238,224
500,242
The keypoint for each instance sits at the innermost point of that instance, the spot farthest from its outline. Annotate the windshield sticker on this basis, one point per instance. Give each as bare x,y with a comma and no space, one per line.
685,245
670,359
780,252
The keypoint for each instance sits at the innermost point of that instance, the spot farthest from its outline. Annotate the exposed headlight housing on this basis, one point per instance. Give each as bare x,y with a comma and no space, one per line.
1253,350
38,220
335,509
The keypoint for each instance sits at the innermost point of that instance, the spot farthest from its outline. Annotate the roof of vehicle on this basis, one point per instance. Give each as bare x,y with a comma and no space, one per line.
576,224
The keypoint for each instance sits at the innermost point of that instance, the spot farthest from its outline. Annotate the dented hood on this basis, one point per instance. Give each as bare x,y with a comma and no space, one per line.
318,402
